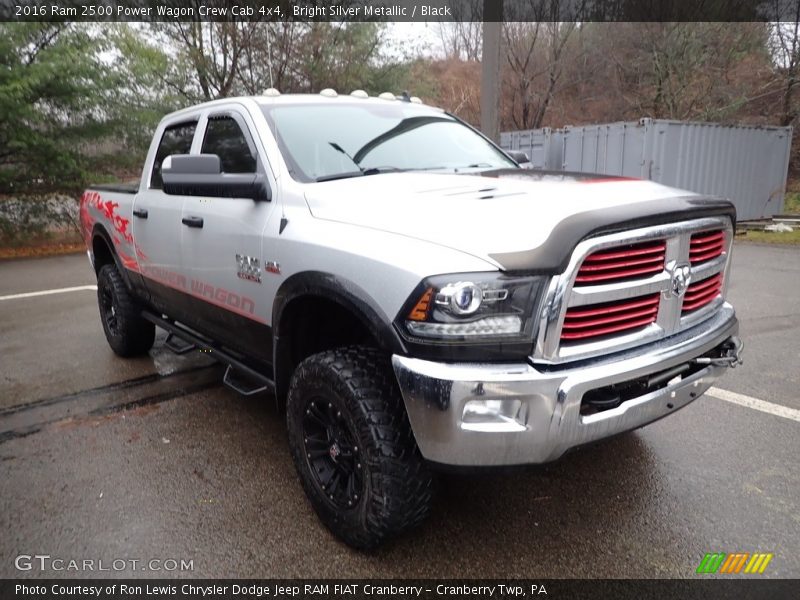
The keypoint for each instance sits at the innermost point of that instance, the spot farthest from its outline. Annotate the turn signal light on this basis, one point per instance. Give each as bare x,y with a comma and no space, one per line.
420,310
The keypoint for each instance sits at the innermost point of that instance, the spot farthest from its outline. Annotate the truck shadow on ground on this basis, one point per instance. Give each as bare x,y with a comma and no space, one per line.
208,476
521,521
532,520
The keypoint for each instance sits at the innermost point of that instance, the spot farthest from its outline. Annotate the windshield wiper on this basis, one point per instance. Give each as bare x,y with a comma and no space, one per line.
361,170
369,171
379,170
345,175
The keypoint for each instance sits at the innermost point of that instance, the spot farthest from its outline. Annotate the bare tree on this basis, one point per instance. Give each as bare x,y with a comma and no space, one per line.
785,46
269,59
681,70
535,54
210,52
462,39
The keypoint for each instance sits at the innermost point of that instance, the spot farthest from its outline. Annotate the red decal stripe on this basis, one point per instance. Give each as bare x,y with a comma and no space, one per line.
168,283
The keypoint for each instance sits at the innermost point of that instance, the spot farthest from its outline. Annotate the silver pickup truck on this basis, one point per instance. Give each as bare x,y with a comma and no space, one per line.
412,298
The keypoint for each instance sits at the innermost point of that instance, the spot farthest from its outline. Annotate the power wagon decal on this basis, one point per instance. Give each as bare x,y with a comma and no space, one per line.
224,298
94,208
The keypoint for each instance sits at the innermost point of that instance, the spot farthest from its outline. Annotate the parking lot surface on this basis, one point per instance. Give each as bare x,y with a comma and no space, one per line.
103,458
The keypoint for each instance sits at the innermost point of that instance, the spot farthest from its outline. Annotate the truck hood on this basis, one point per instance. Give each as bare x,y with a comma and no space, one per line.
513,219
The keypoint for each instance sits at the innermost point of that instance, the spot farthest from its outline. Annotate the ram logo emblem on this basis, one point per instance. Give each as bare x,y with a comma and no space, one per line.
680,276
247,267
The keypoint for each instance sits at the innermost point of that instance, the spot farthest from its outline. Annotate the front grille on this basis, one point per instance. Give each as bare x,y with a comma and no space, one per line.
701,293
706,246
628,288
622,263
595,321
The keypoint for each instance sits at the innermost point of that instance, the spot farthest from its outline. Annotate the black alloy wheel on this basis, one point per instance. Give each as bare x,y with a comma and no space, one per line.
333,454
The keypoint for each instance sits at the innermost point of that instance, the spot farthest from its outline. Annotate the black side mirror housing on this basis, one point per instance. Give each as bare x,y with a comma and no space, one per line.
519,156
201,175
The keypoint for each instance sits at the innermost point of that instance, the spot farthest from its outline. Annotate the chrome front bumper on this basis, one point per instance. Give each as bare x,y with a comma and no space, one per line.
511,414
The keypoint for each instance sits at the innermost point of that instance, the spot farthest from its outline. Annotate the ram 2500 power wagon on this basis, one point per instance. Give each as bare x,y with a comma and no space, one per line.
412,297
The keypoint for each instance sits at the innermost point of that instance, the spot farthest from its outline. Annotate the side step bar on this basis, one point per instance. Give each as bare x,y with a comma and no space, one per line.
243,386
179,347
238,376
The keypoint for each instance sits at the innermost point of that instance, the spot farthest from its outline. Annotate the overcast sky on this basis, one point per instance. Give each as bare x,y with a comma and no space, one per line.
423,38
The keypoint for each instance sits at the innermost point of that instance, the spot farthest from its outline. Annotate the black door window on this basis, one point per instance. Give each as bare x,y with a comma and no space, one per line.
177,139
226,139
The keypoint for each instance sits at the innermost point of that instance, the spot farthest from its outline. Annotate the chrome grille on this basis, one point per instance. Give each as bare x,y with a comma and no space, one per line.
610,318
705,246
700,293
622,263
629,288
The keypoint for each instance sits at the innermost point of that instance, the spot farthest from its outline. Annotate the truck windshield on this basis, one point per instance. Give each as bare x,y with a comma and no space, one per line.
328,141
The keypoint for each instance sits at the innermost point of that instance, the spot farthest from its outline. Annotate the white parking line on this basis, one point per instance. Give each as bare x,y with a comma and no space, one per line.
756,404
48,292
740,399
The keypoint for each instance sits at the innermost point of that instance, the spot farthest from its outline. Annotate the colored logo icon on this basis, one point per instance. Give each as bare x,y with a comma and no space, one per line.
737,562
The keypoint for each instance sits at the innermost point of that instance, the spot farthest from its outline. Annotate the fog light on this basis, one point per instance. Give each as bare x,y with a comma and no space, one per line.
493,416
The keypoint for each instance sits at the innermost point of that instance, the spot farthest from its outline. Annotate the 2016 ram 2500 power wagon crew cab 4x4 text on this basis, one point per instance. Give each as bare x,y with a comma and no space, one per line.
410,295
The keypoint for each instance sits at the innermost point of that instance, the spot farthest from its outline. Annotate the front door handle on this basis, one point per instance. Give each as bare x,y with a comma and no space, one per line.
140,212
193,222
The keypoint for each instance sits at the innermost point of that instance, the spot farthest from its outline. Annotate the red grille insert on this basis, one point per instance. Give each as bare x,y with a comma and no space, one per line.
702,292
707,245
622,263
586,322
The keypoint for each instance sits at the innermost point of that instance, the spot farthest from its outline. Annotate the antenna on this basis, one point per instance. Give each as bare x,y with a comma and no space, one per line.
269,57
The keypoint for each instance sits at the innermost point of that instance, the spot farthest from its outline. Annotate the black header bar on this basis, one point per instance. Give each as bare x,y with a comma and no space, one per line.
398,10
700,588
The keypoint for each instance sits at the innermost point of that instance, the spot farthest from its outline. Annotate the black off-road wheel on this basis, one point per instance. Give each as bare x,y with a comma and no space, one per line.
352,446
127,332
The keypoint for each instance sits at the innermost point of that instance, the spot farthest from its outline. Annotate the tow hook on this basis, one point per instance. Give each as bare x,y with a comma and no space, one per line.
730,355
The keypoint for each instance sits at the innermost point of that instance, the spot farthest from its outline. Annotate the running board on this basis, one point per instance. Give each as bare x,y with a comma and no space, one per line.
238,376
242,385
178,348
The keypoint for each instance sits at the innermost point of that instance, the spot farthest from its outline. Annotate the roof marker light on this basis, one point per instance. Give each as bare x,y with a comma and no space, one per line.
328,93
387,96
359,94
271,92
416,100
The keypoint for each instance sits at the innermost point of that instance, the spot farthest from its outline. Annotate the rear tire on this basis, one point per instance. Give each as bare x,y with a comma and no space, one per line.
127,332
353,448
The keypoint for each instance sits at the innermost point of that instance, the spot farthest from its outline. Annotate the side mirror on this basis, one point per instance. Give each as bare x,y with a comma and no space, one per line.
519,156
201,175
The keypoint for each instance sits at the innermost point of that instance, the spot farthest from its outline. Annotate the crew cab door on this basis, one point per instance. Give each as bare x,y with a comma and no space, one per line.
221,241
157,223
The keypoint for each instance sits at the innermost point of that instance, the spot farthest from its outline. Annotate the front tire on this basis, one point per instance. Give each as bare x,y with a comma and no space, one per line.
127,332
353,448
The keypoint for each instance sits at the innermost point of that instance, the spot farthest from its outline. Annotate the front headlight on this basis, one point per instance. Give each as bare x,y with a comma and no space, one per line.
472,307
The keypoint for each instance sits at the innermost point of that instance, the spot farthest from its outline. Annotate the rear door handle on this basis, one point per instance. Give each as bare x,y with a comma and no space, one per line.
140,212
193,222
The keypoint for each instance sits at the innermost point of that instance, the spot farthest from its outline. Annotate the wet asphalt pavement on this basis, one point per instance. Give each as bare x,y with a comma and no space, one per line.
103,458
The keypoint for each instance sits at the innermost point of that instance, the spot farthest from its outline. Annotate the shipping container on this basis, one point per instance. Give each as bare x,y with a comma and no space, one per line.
544,147
747,164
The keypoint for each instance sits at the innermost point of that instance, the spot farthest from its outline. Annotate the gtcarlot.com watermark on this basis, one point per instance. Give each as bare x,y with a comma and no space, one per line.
46,563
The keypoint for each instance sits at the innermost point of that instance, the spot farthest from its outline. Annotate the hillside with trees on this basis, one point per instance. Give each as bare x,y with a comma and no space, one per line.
78,102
